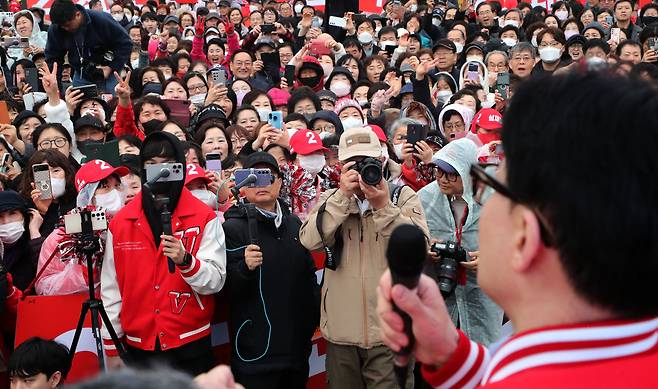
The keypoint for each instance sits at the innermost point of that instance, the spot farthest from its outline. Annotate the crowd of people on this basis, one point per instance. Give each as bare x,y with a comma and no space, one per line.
352,123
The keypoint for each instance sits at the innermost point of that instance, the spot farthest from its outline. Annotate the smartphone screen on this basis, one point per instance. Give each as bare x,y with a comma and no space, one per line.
290,74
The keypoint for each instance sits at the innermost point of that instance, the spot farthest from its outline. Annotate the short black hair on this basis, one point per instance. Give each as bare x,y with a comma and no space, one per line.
62,12
294,116
599,201
628,42
302,93
153,100
36,356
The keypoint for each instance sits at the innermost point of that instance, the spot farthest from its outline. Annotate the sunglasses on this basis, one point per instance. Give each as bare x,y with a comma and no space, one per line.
482,180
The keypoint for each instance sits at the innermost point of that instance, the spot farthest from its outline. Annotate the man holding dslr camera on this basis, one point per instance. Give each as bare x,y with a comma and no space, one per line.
96,44
453,216
568,248
357,221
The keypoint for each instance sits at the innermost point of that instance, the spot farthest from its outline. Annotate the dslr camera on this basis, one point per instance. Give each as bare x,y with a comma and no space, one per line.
451,255
370,170
91,70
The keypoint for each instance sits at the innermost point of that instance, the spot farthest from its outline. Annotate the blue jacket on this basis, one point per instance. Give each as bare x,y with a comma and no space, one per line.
98,33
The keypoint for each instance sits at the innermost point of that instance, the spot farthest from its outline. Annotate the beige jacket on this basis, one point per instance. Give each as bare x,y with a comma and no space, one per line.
349,296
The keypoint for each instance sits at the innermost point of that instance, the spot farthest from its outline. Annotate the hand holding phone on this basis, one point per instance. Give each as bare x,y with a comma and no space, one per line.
275,119
319,48
42,181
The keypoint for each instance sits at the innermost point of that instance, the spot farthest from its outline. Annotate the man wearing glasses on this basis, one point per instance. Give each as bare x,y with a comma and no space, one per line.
570,254
453,215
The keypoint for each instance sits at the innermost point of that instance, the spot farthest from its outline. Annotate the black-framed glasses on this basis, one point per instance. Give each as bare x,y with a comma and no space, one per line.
483,180
438,174
53,143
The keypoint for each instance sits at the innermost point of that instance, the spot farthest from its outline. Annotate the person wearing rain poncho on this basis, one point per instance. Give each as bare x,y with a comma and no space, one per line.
99,186
482,79
25,27
453,215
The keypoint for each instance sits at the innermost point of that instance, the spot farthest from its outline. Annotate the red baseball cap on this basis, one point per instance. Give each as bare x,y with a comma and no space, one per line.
195,172
97,170
487,118
378,131
306,142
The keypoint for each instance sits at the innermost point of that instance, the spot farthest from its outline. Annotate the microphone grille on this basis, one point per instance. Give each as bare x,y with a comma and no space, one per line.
407,250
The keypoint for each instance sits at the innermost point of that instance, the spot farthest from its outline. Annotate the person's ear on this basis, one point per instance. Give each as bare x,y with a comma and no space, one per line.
55,380
526,235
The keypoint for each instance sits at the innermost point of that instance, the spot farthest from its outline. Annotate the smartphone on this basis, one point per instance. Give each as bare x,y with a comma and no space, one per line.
180,111
319,48
73,222
4,113
32,78
14,42
214,162
337,22
104,151
473,73
176,172
106,97
609,20
316,22
271,58
267,28
66,85
502,84
218,76
615,34
275,119
88,91
3,163
416,133
42,180
652,43
263,177
290,75
390,49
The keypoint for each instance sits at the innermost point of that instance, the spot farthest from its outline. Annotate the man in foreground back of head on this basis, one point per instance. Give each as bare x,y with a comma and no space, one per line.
568,248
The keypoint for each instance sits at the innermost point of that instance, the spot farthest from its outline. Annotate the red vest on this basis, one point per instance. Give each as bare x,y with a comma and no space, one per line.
155,303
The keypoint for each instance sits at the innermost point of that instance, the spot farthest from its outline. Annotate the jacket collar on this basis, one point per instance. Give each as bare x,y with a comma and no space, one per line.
572,344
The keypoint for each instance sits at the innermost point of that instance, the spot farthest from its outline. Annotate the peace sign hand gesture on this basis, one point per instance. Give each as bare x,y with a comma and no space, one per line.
49,82
122,90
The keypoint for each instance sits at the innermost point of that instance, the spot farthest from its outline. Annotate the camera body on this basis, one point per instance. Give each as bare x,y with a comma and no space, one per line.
451,254
90,69
370,170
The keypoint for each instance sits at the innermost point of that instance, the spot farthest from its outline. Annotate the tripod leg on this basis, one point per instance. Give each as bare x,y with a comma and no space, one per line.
108,325
78,328
96,331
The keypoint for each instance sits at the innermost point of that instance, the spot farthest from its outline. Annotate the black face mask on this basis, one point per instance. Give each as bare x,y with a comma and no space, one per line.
152,125
647,20
310,81
83,144
130,160
152,87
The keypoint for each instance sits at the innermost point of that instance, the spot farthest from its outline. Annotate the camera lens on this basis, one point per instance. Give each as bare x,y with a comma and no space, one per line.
371,175
447,275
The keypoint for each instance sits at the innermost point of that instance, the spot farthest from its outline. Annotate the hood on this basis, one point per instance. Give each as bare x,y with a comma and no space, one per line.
329,116
465,112
174,189
37,38
485,80
460,154
427,113
311,63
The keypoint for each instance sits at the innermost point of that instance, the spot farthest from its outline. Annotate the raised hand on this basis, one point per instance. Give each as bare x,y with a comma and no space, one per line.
200,26
49,82
424,67
122,90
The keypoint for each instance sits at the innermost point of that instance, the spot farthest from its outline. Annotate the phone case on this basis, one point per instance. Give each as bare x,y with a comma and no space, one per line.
214,162
275,119
42,182
264,177
177,172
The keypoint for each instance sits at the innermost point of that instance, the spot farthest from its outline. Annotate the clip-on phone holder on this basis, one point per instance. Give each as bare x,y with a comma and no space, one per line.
250,211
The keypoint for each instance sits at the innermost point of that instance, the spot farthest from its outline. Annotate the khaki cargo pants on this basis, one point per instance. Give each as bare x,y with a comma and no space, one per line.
352,367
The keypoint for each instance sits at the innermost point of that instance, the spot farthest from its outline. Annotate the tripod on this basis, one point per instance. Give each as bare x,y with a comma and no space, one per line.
90,246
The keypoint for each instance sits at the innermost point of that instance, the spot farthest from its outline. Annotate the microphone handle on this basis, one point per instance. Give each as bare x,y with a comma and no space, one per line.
401,358
165,218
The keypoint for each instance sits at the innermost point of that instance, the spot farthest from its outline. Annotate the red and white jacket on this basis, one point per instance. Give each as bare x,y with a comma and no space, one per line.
143,300
619,354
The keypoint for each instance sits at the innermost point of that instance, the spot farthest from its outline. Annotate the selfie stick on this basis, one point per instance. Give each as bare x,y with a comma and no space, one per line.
250,209
165,215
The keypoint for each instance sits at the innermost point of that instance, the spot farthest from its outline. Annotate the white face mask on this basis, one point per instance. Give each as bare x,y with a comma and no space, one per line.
398,150
11,232
111,201
340,88
313,163
325,134
206,196
263,113
118,17
561,15
473,58
569,33
512,23
509,41
59,187
362,103
298,8
351,122
459,47
134,64
549,54
533,41
198,99
444,95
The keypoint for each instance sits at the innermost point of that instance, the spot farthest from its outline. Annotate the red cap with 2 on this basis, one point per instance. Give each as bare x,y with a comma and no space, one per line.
306,142
97,170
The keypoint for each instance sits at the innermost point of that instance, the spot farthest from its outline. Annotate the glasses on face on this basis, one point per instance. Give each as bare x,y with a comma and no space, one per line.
242,64
525,58
328,127
53,143
454,126
439,174
483,180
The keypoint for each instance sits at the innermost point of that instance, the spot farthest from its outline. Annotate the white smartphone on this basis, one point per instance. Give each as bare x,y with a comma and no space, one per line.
337,22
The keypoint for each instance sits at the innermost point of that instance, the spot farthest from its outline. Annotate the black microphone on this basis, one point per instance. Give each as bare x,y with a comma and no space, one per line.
164,173
406,253
251,179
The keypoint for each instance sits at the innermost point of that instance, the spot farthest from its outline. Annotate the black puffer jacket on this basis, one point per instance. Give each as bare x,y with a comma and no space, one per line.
289,288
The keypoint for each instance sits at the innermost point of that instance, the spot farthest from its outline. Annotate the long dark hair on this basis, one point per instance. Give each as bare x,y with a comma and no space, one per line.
53,158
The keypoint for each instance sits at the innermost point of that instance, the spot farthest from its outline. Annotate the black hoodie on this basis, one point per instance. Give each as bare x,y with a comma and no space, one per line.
289,288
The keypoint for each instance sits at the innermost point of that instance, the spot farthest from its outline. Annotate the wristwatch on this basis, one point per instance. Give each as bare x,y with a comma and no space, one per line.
187,260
